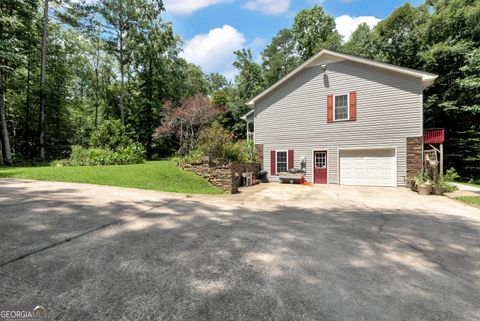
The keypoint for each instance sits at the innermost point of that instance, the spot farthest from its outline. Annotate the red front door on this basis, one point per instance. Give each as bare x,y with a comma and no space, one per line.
320,167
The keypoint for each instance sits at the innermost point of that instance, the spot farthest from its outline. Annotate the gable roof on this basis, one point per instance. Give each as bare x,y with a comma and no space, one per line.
426,78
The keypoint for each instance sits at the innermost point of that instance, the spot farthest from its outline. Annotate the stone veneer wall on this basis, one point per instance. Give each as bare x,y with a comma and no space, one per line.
414,156
259,154
227,178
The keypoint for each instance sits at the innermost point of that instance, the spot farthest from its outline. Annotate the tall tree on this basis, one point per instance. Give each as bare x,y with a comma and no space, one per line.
43,80
15,20
217,82
400,39
97,56
451,38
155,41
313,30
280,56
6,151
250,81
121,18
362,42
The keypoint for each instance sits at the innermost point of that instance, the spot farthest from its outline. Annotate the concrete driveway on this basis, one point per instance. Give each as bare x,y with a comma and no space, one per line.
273,252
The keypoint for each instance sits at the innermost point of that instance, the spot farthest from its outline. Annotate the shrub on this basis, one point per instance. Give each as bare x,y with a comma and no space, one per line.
131,154
442,182
474,180
186,120
238,152
194,156
110,134
215,141
451,175
80,156
449,187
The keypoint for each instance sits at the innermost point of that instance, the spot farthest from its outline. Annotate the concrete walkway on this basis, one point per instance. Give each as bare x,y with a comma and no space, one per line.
273,252
464,187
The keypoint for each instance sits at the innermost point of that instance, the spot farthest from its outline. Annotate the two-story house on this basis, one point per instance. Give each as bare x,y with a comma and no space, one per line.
344,119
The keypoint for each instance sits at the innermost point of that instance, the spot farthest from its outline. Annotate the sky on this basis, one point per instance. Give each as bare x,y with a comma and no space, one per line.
213,29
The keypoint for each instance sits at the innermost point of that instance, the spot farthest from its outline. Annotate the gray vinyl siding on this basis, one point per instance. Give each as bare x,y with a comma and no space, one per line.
294,115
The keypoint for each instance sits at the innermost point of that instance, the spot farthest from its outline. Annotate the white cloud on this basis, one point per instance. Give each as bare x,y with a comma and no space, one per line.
189,6
256,43
270,7
214,51
347,24
230,73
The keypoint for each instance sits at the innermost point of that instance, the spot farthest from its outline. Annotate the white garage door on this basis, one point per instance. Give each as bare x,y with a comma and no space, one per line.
372,167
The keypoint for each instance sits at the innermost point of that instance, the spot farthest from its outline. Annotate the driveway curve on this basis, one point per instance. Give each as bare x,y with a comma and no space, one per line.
272,252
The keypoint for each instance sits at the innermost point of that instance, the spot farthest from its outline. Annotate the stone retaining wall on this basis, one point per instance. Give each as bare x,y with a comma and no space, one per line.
227,178
259,154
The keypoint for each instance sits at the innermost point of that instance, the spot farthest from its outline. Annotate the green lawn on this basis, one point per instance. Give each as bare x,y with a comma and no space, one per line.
470,200
153,175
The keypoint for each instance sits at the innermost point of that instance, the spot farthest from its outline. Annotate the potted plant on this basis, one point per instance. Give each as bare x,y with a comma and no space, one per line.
422,183
438,186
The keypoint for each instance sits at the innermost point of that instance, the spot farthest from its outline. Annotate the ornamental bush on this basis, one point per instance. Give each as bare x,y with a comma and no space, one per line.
110,134
238,152
131,154
216,142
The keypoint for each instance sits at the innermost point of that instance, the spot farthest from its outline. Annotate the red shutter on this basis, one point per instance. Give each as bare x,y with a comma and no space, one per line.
273,167
353,105
329,108
290,159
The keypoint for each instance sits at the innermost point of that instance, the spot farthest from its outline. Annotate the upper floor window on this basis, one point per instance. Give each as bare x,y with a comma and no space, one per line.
341,107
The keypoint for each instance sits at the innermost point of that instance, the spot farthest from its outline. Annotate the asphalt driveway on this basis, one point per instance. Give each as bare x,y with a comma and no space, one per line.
273,252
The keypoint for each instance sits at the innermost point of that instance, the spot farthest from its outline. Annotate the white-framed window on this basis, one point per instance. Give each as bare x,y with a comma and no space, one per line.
282,161
340,107
320,160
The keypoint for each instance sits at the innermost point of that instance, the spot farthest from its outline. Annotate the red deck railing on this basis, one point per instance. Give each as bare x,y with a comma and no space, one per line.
433,135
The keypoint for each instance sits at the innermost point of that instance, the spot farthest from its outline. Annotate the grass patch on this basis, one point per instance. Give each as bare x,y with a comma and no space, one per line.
153,175
470,200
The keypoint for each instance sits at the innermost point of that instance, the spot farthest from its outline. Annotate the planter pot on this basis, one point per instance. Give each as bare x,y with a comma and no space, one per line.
438,190
424,189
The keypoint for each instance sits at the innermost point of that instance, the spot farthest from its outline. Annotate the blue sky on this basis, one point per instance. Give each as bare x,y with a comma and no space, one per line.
213,29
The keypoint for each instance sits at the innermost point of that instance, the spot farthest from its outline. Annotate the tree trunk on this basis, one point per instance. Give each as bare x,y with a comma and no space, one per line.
42,84
122,92
96,96
6,153
122,78
148,110
27,135
97,81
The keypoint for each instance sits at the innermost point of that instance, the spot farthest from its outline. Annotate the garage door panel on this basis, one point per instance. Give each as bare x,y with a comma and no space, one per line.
367,167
